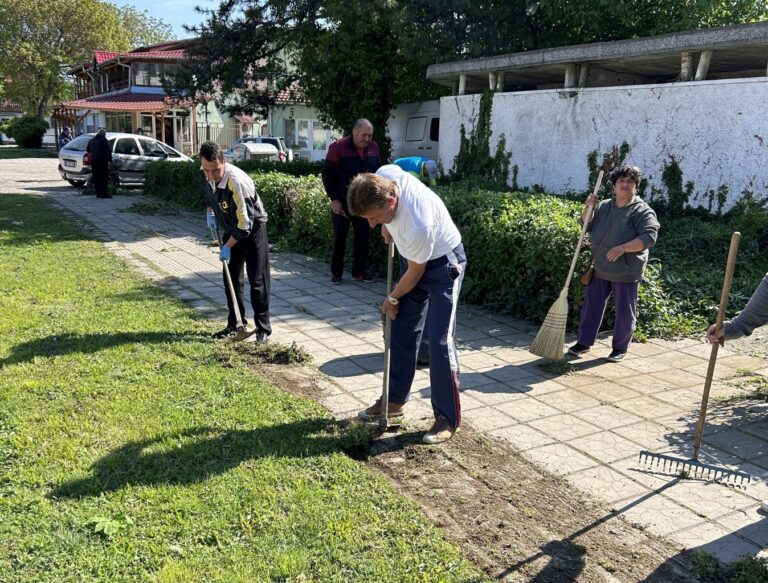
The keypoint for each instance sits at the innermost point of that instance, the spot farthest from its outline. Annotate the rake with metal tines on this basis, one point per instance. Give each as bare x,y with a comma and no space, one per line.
694,468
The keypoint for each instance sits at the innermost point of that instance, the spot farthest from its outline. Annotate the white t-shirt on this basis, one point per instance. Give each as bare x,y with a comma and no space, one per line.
422,228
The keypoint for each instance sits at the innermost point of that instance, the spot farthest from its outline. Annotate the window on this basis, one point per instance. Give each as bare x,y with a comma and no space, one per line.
118,122
303,134
318,136
152,148
434,129
142,73
127,146
415,130
290,132
155,73
170,151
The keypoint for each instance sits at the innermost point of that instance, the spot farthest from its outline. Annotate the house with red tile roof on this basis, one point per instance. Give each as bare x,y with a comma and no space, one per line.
123,92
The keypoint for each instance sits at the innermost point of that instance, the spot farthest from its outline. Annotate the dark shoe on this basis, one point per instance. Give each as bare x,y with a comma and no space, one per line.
364,277
372,413
422,362
617,355
225,333
578,349
441,432
105,196
336,279
262,337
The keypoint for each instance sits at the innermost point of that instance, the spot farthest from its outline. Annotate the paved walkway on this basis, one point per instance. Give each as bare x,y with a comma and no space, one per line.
588,425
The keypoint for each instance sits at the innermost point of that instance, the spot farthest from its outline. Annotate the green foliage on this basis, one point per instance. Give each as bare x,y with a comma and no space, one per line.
179,182
474,160
38,39
612,158
142,28
295,168
27,130
135,448
677,194
745,570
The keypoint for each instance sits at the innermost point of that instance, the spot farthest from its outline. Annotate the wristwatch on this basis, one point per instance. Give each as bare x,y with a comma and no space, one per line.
393,301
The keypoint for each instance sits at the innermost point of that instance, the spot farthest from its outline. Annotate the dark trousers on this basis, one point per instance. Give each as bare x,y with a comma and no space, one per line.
253,252
360,249
100,177
431,304
596,300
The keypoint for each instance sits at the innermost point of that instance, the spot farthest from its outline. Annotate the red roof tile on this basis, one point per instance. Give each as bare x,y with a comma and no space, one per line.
101,56
123,102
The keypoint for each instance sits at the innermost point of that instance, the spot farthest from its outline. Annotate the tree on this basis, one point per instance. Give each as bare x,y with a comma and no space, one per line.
40,40
360,58
143,29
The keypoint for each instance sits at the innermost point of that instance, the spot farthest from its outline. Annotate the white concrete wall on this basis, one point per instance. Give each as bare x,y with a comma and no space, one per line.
716,130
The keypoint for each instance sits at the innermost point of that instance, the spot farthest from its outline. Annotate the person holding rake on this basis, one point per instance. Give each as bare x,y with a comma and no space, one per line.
622,229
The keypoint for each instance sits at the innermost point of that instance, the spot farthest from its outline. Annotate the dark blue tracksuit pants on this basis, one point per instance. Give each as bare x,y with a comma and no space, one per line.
431,304
593,309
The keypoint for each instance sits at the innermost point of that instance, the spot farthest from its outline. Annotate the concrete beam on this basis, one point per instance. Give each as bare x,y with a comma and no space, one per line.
686,66
703,68
570,76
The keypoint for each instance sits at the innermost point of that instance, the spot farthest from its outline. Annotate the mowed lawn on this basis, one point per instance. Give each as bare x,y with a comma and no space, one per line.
134,448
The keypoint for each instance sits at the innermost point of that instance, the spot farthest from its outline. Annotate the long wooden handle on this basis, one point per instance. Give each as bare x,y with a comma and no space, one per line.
713,354
383,423
598,182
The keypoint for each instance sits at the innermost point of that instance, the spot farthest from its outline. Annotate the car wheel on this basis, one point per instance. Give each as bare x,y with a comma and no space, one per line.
78,183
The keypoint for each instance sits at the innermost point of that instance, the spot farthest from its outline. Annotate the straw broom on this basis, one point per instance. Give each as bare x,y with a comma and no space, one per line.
551,337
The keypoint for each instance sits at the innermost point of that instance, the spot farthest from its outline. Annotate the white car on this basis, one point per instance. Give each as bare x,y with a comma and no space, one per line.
130,153
253,151
284,154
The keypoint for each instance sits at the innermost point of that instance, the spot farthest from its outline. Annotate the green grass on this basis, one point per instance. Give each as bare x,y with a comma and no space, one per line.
133,448
13,152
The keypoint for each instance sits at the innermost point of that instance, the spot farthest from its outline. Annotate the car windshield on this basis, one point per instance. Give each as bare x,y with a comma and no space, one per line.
79,144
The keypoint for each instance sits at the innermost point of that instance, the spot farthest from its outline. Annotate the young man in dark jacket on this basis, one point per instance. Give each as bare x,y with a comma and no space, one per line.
236,211
346,159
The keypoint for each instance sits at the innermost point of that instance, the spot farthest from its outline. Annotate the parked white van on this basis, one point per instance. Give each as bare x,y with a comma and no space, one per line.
414,129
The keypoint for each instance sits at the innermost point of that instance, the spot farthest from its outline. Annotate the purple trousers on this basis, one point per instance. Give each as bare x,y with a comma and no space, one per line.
592,311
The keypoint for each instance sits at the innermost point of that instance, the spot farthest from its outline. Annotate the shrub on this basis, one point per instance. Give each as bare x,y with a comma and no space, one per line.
28,130
519,245
295,168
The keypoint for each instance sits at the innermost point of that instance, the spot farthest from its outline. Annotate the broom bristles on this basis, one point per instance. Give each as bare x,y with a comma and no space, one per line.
551,337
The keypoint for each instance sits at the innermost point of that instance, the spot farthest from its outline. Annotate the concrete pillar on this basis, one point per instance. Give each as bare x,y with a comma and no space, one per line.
462,84
570,76
491,80
500,81
583,74
704,60
686,66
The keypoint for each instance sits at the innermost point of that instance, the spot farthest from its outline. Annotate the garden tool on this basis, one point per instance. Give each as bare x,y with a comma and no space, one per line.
383,419
551,337
240,333
693,467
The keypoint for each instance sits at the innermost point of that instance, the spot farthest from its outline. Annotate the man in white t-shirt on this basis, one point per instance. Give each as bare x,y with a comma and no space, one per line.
432,266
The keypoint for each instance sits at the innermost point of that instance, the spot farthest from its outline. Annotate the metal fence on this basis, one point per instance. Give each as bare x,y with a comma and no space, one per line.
223,136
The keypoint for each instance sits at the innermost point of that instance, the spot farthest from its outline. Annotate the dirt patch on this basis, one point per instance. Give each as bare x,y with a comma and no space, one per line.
514,520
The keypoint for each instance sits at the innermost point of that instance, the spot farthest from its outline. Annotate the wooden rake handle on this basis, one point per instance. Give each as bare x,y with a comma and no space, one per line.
598,182
735,238
383,421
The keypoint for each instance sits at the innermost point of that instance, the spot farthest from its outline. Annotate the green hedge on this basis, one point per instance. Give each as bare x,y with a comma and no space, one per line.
519,245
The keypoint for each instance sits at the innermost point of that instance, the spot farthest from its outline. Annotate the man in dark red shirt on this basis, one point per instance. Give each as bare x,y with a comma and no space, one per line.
350,156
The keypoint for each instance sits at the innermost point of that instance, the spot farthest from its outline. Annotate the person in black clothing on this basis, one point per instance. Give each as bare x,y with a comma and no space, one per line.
65,136
234,208
346,158
101,156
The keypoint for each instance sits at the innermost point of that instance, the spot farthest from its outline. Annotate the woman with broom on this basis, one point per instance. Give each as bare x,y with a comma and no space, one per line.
622,229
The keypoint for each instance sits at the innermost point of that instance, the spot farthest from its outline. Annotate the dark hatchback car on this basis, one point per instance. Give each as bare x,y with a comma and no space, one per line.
131,154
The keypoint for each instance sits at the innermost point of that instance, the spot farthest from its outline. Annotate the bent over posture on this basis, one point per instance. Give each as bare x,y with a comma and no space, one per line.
432,266
235,209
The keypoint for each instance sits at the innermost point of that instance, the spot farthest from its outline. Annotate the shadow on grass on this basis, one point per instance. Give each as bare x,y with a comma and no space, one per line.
61,344
201,453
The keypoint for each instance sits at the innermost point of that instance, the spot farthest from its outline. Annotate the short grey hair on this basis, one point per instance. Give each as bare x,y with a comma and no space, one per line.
362,122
